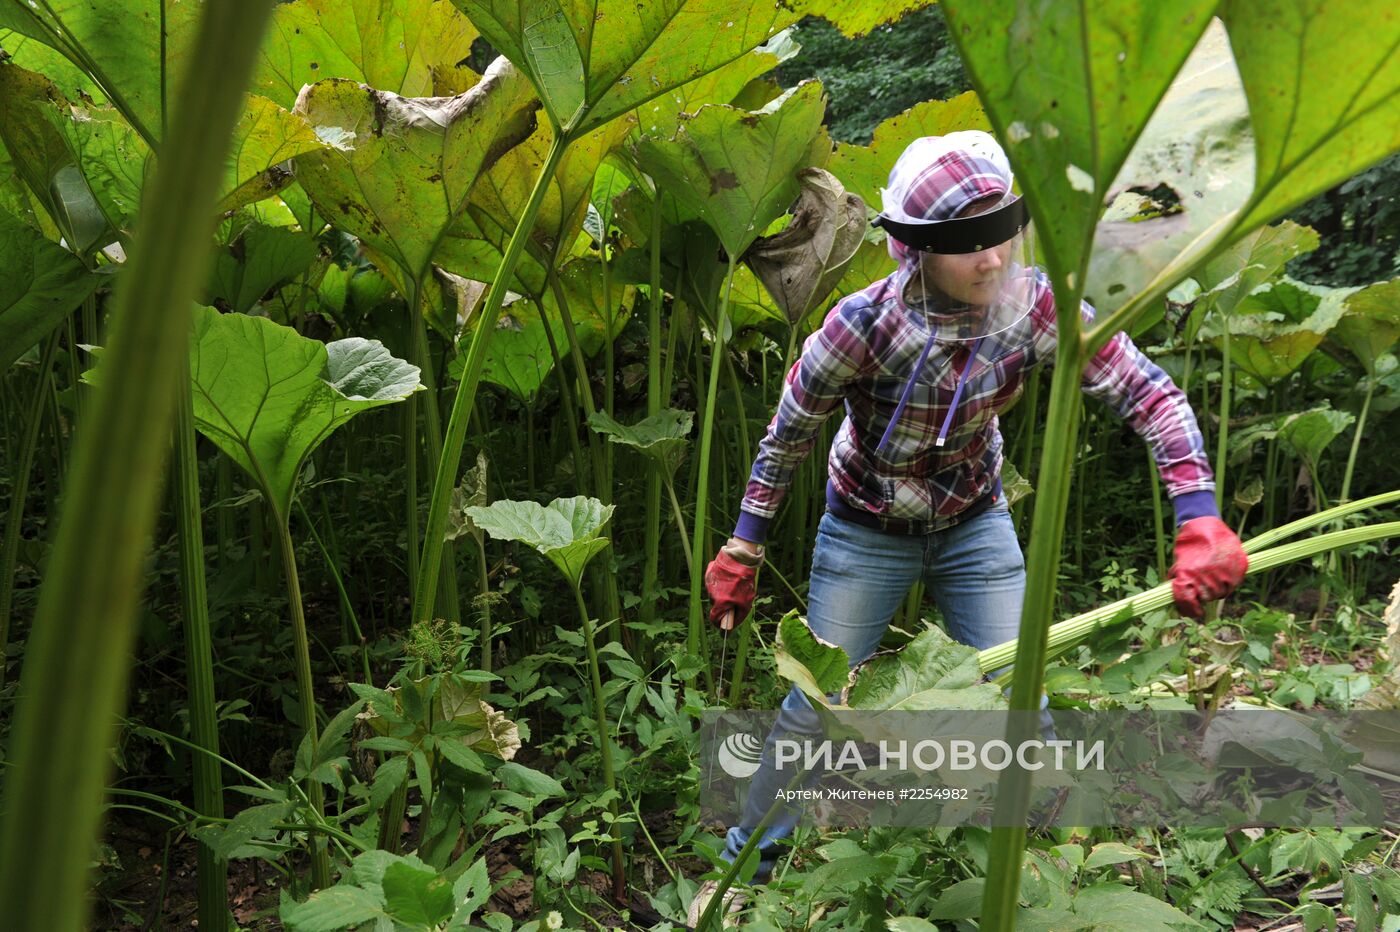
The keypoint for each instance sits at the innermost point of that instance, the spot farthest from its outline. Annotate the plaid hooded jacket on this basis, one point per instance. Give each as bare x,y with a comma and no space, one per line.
865,352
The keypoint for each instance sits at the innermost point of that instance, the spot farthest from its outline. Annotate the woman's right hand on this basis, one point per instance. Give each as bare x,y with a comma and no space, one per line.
729,579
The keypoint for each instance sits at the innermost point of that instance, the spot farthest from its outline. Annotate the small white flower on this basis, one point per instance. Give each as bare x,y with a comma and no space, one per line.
554,920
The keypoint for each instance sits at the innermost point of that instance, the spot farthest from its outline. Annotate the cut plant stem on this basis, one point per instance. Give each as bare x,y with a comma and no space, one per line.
600,714
1070,632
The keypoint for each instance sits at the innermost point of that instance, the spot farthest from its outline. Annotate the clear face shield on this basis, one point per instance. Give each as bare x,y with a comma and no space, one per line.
976,274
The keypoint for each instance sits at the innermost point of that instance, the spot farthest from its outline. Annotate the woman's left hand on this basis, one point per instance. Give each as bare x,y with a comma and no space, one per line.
1210,563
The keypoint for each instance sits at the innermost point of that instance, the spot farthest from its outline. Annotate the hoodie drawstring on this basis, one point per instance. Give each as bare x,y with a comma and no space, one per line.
909,388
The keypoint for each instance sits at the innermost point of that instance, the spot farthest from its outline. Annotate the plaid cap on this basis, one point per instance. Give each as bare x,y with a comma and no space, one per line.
937,177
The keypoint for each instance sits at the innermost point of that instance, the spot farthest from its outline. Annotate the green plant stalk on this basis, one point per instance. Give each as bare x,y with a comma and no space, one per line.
652,541
702,486
680,526
1001,894
346,604
566,395
741,653
485,590
19,491
600,714
1356,442
1223,437
602,472
456,435
1158,532
223,518
449,604
320,857
1269,538
1070,632
409,414
78,656
199,661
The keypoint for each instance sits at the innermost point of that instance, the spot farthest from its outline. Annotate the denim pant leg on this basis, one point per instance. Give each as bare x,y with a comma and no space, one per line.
859,577
977,576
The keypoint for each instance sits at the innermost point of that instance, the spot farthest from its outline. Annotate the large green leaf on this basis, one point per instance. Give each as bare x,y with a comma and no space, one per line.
519,359
593,61
458,715
1371,325
1323,80
396,171
34,55
266,137
930,672
737,169
46,139
392,45
1068,87
40,283
566,530
1251,261
801,264
662,437
476,244
1275,329
1192,167
268,396
134,50
260,259
660,116
1312,432
817,667
864,170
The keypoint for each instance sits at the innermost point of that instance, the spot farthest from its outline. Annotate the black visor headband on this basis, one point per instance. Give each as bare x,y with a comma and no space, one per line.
960,236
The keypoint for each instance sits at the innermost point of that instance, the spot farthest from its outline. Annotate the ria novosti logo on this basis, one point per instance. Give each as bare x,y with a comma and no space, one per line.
739,755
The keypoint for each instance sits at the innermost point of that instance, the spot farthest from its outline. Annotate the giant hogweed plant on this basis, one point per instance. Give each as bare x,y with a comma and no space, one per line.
1069,89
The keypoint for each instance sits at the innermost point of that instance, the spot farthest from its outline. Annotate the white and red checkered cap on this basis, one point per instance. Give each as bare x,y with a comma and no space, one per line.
937,177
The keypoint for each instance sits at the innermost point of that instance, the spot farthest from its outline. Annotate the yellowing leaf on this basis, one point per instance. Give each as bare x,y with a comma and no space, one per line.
396,171
737,169
391,45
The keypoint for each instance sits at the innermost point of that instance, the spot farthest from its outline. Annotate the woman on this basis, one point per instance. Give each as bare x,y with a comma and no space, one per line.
923,360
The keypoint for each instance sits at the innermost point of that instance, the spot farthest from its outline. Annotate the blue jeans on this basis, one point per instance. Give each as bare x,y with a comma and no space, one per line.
977,576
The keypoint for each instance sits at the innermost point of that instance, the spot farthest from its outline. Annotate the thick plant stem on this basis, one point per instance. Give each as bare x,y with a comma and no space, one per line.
19,491
1001,894
702,485
484,574
78,658
449,605
320,857
602,473
1071,631
1223,437
1355,444
1159,533
647,612
456,435
600,714
199,662
566,396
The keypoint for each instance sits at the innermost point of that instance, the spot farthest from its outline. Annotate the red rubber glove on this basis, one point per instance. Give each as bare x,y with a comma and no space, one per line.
731,588
1210,563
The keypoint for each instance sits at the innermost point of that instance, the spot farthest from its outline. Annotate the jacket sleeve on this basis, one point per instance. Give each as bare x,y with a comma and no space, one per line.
1146,397
832,358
